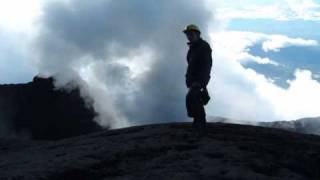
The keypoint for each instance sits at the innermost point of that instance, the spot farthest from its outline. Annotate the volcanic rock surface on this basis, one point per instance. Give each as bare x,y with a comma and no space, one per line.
167,151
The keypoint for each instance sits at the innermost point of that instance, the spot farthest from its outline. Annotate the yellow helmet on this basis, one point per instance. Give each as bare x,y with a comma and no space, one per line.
191,27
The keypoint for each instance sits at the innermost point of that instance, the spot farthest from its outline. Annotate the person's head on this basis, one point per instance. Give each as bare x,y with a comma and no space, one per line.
192,32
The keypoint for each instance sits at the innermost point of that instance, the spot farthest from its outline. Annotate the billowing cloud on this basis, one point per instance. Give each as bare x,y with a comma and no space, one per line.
247,57
17,25
128,56
276,42
19,15
305,9
301,99
238,44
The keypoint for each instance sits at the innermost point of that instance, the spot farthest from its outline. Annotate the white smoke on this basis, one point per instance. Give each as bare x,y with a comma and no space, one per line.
128,56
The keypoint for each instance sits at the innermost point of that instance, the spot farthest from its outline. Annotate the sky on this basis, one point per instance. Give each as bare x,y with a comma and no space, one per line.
131,62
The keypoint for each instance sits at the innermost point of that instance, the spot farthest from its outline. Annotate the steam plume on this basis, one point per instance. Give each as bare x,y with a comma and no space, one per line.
128,56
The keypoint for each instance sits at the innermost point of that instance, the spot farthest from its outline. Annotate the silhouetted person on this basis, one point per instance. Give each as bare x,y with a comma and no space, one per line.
198,75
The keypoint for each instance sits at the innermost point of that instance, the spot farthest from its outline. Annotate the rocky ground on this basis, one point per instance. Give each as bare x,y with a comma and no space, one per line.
166,151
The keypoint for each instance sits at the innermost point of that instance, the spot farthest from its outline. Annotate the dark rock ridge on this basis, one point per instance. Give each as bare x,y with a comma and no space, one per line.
167,151
38,110
305,125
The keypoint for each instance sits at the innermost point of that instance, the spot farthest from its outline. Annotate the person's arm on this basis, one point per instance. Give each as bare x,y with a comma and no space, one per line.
201,65
206,60
207,66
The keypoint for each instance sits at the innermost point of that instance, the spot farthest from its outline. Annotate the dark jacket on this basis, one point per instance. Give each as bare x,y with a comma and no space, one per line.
199,63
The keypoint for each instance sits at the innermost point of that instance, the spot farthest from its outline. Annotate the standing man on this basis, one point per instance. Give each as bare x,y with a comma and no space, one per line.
198,75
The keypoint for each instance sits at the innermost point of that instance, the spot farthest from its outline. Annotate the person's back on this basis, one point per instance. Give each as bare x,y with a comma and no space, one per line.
199,63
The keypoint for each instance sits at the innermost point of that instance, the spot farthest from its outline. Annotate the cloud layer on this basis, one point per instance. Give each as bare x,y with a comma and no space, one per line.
243,93
276,10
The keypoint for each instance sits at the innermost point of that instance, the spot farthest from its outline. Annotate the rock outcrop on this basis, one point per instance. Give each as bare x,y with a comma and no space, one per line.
305,125
167,151
38,110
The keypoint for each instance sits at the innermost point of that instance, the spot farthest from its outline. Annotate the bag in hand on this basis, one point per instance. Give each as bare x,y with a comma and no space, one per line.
205,98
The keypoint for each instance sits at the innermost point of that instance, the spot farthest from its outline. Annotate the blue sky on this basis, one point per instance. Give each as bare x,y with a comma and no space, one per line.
290,58
13,66
294,28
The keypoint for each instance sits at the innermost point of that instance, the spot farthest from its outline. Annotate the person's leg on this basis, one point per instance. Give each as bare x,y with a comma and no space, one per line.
200,115
195,107
189,103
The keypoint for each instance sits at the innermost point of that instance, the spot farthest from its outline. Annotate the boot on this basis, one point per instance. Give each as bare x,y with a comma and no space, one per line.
199,126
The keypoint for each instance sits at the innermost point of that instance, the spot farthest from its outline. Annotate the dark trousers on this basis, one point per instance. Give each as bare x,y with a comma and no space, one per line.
195,105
